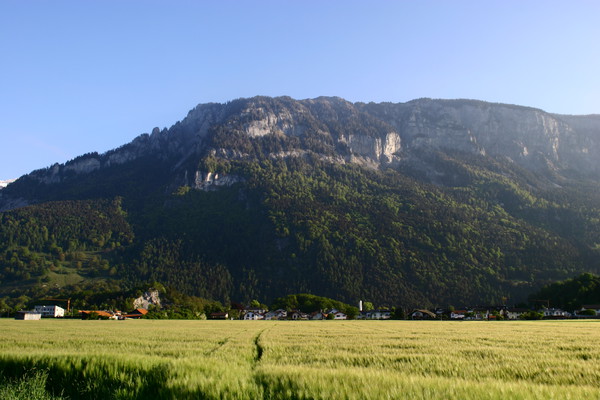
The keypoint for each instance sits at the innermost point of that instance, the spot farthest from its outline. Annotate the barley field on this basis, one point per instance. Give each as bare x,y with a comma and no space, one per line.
153,359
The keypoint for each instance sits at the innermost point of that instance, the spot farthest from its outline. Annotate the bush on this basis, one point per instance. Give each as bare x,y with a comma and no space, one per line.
532,315
587,312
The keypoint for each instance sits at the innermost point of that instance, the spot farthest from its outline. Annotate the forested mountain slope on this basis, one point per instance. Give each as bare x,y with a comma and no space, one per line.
420,203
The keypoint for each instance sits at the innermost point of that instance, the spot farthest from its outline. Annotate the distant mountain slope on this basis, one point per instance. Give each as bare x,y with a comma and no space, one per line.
425,202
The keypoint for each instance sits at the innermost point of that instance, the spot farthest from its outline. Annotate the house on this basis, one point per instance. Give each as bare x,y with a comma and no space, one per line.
378,314
277,314
297,315
440,313
422,314
458,314
50,311
136,314
28,315
555,313
339,315
318,315
252,316
261,311
218,315
481,313
514,313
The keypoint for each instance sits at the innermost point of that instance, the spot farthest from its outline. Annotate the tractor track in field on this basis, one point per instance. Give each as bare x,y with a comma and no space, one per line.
220,344
258,347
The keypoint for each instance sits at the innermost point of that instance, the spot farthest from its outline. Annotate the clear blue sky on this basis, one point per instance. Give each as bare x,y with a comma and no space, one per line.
82,76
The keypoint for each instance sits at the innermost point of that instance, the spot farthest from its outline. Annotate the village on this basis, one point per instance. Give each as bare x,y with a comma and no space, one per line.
470,314
255,314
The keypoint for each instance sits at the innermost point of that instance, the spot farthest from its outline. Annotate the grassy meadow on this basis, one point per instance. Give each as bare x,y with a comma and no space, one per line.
158,359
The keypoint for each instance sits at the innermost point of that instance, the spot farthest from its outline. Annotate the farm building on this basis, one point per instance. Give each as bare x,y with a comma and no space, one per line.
422,314
96,314
218,315
28,315
136,314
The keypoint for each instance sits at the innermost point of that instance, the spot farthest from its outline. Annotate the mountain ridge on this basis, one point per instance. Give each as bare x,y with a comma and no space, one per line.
412,119
199,120
404,203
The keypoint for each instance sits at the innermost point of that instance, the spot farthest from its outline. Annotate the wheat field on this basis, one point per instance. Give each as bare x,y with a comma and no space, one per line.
158,359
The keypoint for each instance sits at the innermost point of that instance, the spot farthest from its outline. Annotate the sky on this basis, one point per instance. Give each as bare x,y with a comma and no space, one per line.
83,76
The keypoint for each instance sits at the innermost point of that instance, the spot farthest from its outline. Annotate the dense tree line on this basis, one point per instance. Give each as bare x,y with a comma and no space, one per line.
570,294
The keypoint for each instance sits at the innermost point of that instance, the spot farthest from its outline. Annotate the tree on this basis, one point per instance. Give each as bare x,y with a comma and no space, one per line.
351,312
368,306
586,312
4,308
532,315
398,313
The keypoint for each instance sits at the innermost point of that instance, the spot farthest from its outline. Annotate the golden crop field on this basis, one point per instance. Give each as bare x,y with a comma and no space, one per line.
148,359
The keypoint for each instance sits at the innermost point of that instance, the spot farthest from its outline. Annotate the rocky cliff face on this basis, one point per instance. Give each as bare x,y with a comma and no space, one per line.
149,298
383,134
529,137
373,135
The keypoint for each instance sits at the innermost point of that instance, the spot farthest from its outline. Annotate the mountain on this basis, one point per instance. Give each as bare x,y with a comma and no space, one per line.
419,203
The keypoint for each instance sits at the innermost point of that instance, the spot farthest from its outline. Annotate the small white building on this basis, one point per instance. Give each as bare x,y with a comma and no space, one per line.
50,311
28,315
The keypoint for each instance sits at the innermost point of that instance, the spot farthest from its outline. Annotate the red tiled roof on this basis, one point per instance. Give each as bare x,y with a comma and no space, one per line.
98,312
